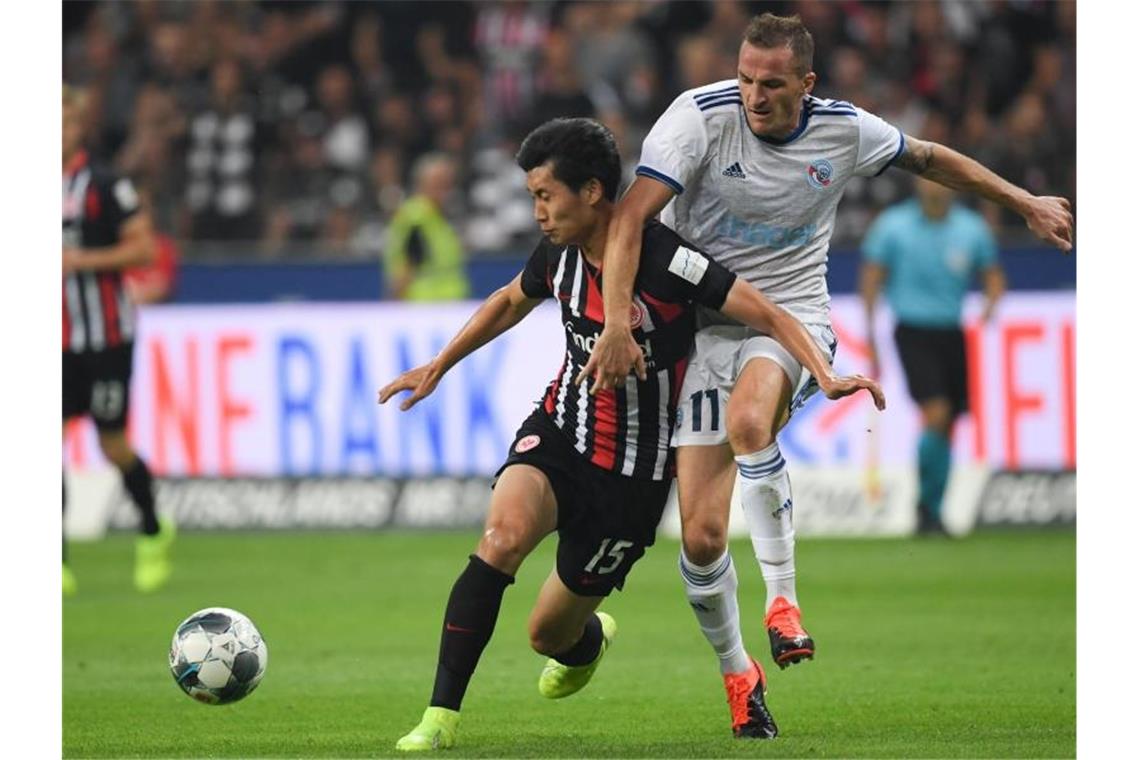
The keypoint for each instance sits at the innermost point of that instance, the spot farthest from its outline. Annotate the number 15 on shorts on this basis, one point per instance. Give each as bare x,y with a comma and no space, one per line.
608,557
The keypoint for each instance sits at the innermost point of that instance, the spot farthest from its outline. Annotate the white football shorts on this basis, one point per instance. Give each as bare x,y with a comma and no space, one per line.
719,356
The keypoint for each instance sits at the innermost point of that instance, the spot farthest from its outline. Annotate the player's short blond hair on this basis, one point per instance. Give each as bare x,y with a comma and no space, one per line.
771,31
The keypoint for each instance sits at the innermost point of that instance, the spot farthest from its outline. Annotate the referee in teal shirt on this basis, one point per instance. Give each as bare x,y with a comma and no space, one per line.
925,252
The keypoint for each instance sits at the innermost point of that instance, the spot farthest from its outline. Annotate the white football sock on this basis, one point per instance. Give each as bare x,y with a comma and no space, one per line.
766,496
711,591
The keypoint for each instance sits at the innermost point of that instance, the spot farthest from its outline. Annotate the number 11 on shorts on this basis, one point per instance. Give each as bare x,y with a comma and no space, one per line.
615,553
697,399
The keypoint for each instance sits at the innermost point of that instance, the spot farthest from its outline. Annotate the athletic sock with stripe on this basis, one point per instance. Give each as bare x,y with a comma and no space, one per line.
711,591
766,496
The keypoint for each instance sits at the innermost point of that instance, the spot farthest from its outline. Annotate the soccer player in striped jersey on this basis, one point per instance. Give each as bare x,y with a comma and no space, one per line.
597,468
751,170
104,233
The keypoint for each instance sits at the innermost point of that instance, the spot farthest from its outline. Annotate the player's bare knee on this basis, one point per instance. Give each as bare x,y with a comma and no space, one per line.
705,543
502,547
749,430
116,449
938,415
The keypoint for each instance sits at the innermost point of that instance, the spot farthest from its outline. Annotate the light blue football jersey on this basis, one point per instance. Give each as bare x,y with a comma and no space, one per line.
930,262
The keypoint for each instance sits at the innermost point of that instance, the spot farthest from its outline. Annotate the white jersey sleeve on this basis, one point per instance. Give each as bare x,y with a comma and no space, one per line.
880,144
675,148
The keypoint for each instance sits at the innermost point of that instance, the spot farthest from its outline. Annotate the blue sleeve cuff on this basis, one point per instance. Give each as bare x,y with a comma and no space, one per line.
898,152
673,184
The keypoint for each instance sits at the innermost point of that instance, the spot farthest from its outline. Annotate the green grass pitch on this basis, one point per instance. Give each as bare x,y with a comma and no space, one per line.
927,648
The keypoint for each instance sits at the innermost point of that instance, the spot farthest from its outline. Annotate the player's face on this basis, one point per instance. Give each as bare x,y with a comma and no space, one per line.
771,89
564,216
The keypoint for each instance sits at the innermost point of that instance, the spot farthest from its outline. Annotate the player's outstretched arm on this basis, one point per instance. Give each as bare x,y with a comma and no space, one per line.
136,248
1048,217
616,352
502,310
747,305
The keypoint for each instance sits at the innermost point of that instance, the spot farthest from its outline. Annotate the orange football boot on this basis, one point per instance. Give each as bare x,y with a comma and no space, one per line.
750,716
790,642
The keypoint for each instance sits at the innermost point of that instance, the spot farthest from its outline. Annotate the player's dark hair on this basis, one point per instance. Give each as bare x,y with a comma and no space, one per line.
770,31
578,149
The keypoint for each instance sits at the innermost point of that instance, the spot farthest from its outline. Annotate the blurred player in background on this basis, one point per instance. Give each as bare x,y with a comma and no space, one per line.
751,170
104,232
925,252
424,258
595,468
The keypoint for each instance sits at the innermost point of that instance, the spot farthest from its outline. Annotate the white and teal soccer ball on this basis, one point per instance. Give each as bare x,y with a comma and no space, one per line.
218,656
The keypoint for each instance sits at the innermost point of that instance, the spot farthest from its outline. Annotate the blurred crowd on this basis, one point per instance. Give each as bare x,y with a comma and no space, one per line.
278,129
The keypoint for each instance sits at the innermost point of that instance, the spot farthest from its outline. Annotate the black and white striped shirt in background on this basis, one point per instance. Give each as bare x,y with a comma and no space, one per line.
97,314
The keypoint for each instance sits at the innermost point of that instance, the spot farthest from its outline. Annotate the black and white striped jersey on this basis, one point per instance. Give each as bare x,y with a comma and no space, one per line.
627,429
97,314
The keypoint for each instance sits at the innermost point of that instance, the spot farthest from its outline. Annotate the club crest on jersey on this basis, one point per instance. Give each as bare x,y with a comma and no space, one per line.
526,444
819,173
635,316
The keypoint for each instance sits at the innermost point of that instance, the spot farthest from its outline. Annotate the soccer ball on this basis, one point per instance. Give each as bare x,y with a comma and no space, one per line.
217,656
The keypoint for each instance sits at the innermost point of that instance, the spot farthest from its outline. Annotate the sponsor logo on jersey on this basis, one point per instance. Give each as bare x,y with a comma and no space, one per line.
587,343
734,171
819,173
526,444
766,235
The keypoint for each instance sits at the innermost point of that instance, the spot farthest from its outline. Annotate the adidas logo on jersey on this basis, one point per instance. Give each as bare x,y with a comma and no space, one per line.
734,171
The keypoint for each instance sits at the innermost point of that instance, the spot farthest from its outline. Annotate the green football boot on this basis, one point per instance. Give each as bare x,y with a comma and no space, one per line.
437,730
152,557
558,680
70,585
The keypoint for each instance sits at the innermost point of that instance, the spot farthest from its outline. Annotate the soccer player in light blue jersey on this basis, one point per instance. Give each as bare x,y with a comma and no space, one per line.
926,252
751,170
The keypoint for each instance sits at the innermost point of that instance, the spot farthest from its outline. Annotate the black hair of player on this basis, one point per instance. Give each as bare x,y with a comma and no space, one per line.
579,150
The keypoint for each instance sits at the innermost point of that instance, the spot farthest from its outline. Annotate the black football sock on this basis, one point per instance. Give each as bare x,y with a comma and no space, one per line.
587,648
140,485
468,623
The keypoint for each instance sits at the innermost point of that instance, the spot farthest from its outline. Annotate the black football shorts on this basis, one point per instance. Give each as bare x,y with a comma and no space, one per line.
605,520
934,360
98,383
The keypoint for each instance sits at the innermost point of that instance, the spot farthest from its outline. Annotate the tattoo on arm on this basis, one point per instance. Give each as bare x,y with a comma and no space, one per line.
916,156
